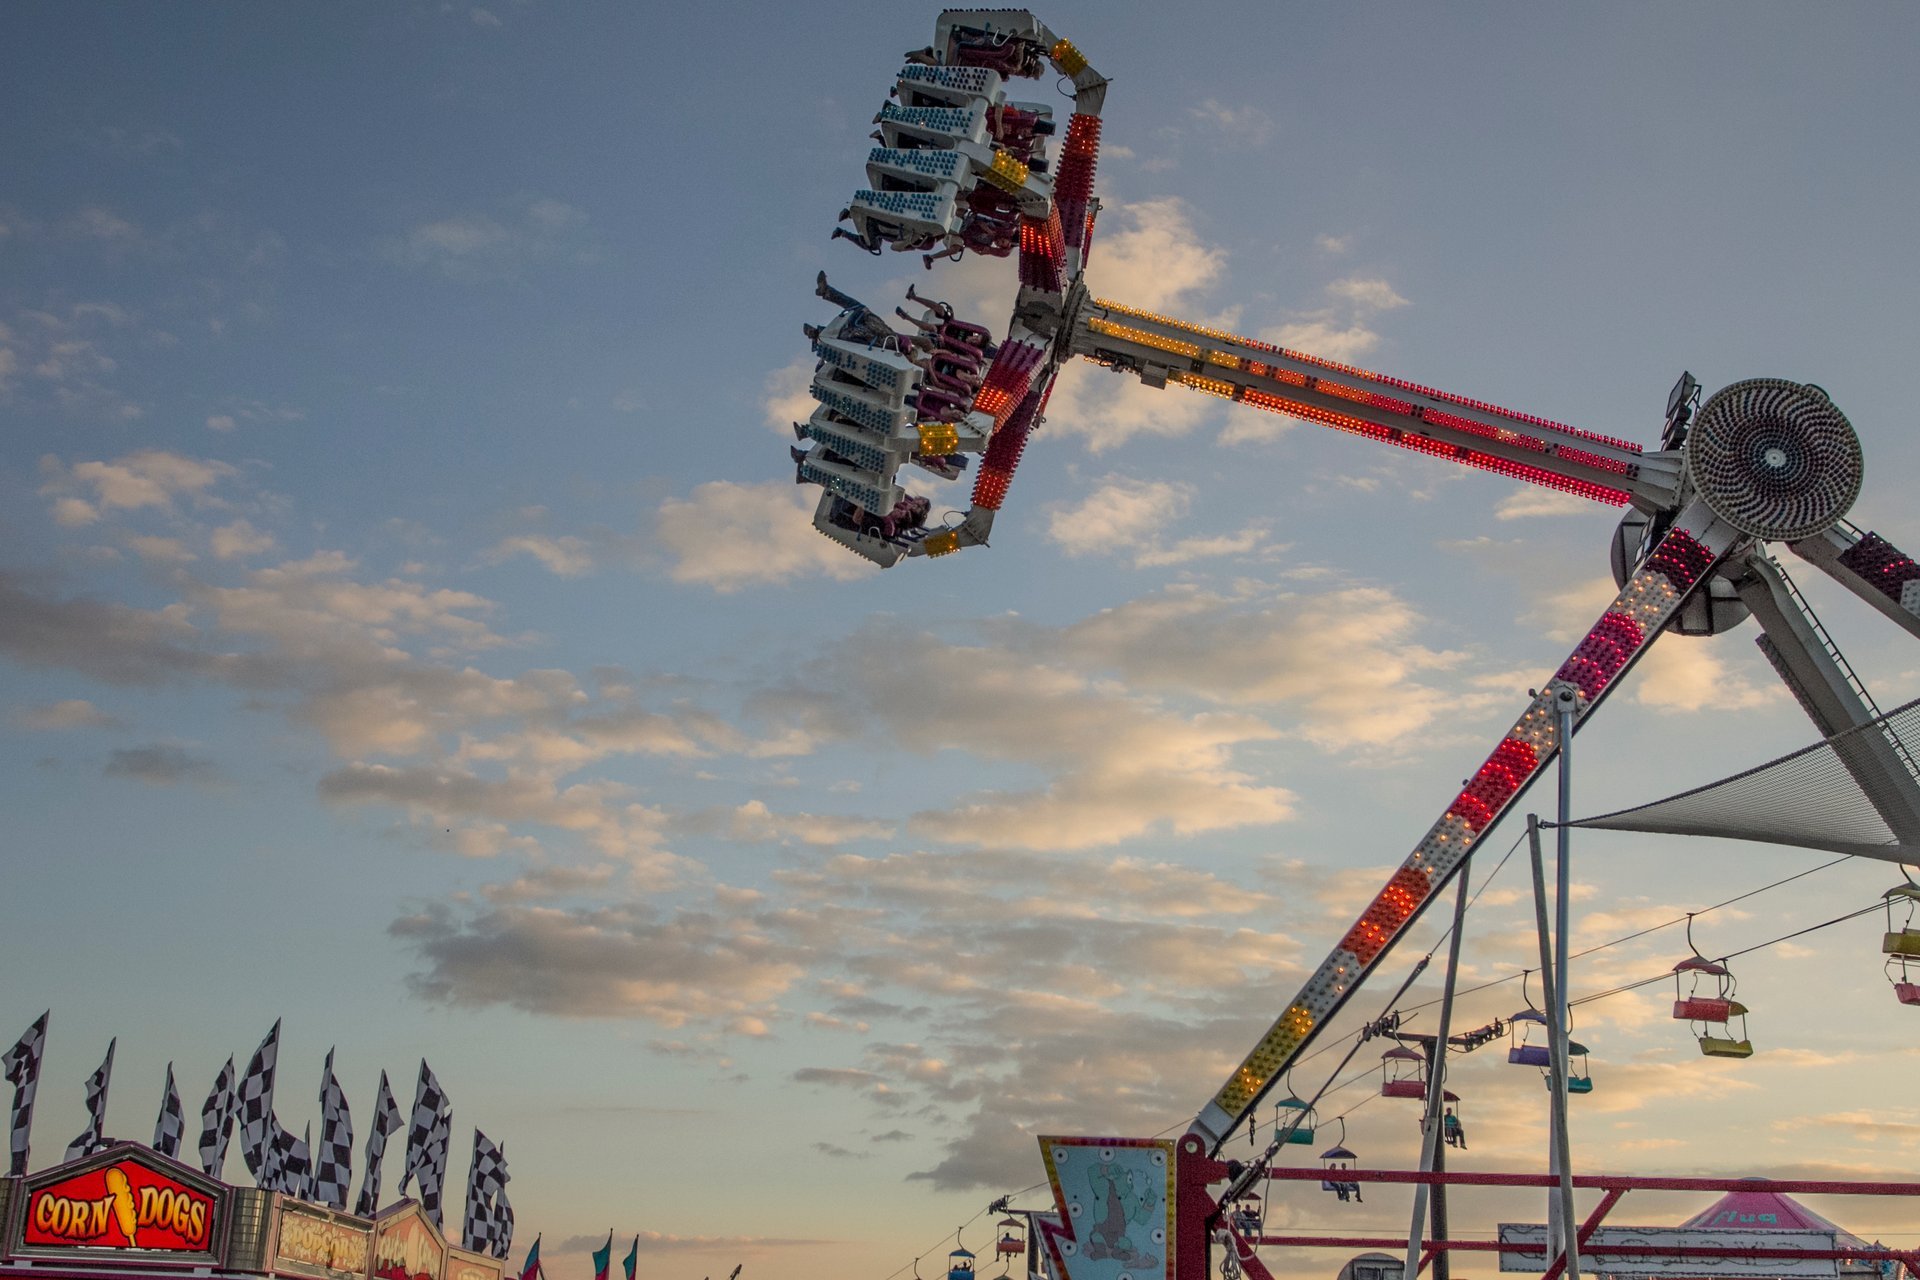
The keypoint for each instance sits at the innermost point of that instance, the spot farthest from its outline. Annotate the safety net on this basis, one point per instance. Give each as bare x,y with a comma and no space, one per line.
1811,797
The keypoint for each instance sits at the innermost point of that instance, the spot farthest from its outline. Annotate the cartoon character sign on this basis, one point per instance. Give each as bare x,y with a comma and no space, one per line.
1115,1197
407,1247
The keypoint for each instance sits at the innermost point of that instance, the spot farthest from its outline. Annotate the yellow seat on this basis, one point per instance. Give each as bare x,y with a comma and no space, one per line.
1717,1047
1904,943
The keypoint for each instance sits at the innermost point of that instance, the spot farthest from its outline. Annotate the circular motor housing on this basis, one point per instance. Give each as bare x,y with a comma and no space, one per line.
1774,459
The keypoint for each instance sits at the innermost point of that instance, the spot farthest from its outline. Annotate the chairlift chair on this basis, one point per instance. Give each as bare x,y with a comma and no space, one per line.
1404,1074
1522,1048
1901,945
1291,1111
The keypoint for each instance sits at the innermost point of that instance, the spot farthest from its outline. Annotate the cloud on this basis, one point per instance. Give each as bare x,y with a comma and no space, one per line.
497,243
161,550
1244,126
597,811
1125,516
240,539
1347,662
147,478
753,822
1152,257
787,399
220,422
568,557
1330,339
1687,673
729,536
160,764
614,961
1526,503
1120,514
96,223
72,713
1366,294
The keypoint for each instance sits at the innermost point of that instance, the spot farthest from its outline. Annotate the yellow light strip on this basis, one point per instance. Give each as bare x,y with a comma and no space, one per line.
1266,1059
1067,58
1212,386
1144,338
940,544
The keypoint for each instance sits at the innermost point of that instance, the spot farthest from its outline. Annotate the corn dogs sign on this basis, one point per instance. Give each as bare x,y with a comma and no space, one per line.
122,1204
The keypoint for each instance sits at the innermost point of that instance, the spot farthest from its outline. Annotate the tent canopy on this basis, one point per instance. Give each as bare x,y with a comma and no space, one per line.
1806,798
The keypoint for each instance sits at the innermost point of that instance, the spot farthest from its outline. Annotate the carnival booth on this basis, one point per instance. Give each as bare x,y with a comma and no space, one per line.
127,1212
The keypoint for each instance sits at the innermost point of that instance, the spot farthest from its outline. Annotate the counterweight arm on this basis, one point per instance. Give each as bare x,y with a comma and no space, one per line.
1678,567
1160,350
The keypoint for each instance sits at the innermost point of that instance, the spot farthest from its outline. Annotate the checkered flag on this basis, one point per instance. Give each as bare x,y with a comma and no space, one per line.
90,1139
254,1103
333,1158
295,1163
502,1228
428,1133
386,1120
485,1178
216,1122
22,1063
172,1124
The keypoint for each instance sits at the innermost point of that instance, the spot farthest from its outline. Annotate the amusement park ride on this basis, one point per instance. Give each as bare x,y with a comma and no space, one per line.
961,166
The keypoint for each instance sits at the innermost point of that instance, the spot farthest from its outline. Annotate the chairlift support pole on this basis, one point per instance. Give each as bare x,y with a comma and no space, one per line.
1432,1153
1560,1217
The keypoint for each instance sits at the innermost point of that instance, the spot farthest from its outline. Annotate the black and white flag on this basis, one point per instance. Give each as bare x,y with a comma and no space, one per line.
295,1163
90,1139
333,1158
386,1120
429,1132
502,1224
22,1063
172,1124
216,1122
486,1177
253,1102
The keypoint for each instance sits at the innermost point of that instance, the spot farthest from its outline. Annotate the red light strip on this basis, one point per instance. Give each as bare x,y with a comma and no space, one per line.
1003,452
1073,185
1043,253
1438,448
1006,383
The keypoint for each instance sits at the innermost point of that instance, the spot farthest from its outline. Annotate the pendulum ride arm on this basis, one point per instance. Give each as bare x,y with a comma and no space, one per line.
1813,668
1160,350
1680,565
1870,567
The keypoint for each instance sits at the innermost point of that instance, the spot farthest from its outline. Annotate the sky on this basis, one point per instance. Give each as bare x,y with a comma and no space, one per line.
409,627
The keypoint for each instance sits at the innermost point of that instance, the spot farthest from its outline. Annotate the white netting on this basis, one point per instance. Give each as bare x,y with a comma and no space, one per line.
1807,798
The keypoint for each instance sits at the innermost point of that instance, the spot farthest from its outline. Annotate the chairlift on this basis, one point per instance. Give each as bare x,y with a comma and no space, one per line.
1522,1049
1294,1121
1246,1214
960,1264
1901,945
1010,1244
1580,1078
1336,1160
1703,998
1403,1073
